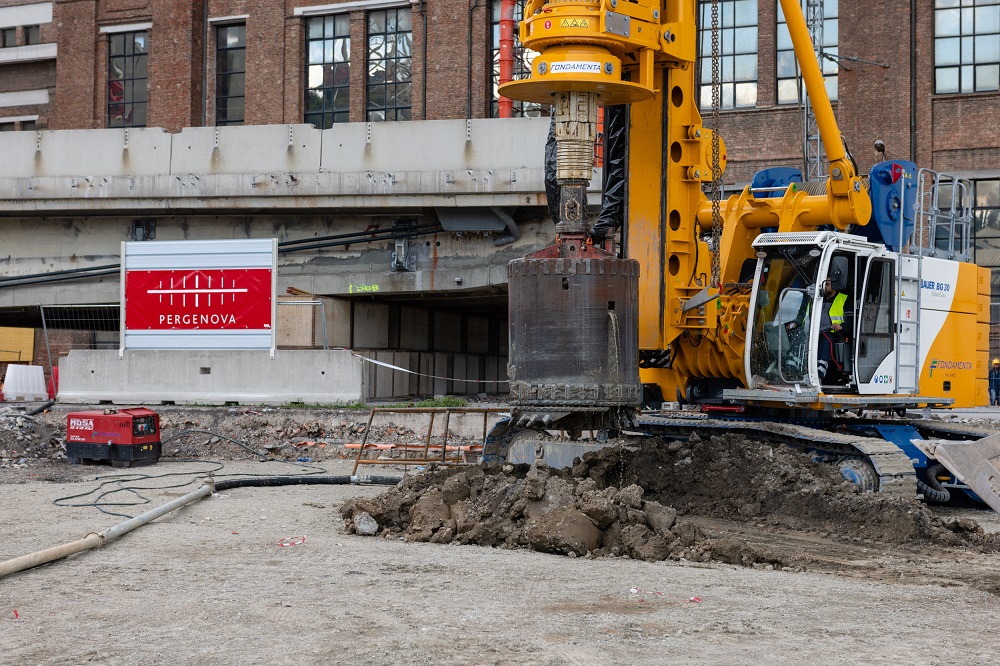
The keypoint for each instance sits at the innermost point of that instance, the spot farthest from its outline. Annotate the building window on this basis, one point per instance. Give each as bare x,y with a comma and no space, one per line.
789,81
32,35
987,203
522,65
737,51
230,74
966,46
127,79
986,212
390,71
328,70
29,125
8,38
7,127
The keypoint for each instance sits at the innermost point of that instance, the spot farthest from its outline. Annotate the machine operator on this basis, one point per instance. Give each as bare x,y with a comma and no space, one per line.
833,329
831,323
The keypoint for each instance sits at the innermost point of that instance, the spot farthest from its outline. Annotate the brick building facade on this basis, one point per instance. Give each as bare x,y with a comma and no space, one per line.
885,89
452,38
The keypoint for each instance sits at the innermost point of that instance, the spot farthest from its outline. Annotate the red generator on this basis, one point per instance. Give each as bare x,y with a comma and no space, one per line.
123,437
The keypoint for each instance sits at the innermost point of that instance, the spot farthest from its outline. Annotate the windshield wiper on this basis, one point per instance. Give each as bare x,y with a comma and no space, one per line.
806,278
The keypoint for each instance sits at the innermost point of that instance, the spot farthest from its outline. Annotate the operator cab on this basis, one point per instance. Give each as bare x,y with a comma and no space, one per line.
822,314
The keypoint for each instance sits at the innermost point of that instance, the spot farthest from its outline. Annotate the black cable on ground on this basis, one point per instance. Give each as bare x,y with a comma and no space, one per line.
141,499
243,481
134,490
276,481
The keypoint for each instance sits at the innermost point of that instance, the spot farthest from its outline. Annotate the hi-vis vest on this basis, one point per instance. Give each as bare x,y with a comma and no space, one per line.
837,310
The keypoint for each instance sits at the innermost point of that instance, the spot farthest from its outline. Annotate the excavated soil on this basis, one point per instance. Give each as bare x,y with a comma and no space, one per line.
644,501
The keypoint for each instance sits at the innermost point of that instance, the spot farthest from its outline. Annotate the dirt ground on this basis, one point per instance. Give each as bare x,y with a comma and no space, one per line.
783,564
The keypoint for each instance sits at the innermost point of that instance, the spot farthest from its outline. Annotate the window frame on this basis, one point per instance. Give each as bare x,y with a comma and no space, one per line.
728,56
830,69
6,33
966,65
222,101
401,70
334,100
986,232
129,62
877,318
32,35
986,203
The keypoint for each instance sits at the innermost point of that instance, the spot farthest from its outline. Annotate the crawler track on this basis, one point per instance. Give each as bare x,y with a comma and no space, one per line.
894,468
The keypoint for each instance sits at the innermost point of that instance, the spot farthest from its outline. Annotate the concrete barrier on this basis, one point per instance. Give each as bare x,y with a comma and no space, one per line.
212,377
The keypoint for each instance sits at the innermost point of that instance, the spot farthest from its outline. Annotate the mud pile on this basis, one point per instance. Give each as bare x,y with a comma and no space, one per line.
517,506
645,501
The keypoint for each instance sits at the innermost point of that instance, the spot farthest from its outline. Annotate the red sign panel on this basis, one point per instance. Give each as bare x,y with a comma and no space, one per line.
215,300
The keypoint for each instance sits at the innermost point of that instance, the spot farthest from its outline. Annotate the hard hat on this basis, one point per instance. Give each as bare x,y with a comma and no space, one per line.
996,361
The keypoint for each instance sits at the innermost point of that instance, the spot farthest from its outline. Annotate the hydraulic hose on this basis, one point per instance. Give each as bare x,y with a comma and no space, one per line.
274,481
98,539
932,488
39,410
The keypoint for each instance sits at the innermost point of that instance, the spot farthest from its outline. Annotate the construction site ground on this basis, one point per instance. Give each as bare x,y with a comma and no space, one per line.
768,558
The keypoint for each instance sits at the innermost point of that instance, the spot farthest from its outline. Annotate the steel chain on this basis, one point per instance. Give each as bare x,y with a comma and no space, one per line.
716,161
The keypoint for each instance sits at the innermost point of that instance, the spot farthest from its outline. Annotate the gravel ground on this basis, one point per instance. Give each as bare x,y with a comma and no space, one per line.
220,581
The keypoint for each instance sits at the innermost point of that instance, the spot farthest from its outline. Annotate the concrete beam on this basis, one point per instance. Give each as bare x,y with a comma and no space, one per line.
444,163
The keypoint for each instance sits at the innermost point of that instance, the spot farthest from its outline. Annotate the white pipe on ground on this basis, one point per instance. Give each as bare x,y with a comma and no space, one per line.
98,539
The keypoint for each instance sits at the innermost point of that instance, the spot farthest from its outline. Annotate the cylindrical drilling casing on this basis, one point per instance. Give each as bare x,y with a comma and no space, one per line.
573,331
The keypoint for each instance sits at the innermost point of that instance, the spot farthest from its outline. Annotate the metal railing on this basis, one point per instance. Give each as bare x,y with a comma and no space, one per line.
433,449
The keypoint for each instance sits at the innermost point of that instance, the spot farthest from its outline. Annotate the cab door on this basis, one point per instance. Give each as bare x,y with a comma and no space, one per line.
875,346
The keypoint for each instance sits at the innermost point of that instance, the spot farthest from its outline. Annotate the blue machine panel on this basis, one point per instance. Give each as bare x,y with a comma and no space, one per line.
894,193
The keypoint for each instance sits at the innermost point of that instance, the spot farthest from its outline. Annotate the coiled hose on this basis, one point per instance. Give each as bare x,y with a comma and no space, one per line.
932,488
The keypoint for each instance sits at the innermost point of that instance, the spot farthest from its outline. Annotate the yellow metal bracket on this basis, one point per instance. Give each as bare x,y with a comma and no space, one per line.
643,10
678,40
701,138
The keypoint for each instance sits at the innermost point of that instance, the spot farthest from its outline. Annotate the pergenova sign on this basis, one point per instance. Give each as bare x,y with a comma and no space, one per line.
198,294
